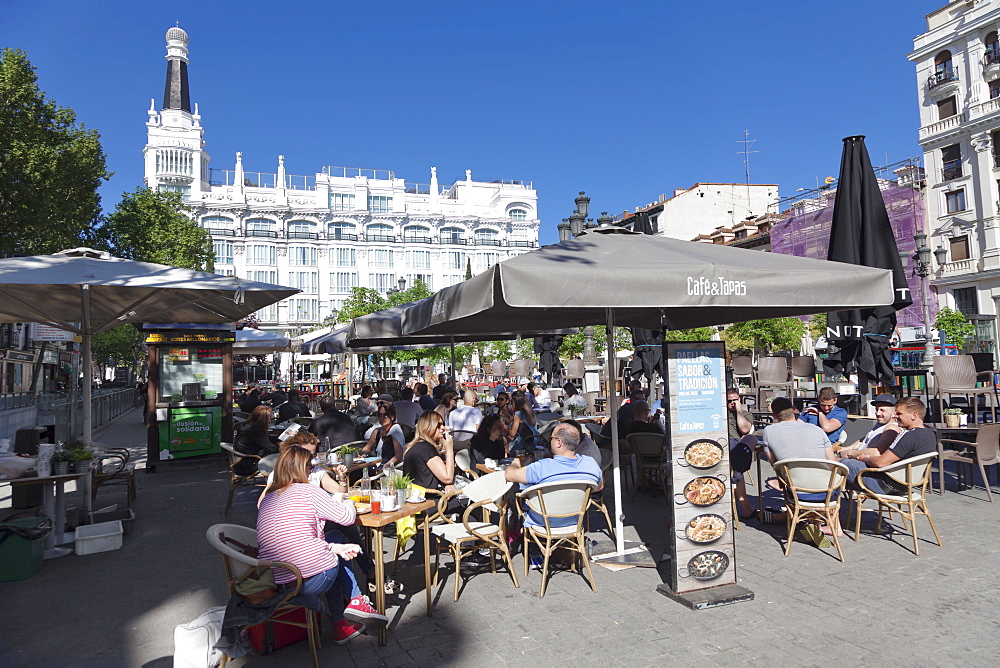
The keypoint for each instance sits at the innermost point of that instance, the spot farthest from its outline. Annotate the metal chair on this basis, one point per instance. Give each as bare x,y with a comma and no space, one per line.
560,507
649,450
113,468
984,452
238,546
257,478
914,474
813,490
486,493
956,374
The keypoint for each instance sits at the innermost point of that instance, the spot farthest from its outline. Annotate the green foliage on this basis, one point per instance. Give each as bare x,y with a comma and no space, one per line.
817,325
497,350
150,226
418,290
468,268
771,335
361,301
696,334
116,347
50,167
572,344
956,327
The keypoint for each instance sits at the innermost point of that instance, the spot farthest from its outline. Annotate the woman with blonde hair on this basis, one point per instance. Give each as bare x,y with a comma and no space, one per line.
422,460
290,529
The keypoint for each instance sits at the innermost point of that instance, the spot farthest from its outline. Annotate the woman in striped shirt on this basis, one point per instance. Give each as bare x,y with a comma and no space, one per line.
290,528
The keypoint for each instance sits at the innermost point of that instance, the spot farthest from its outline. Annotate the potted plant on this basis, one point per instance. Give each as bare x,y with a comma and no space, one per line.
81,459
347,454
60,462
953,416
402,484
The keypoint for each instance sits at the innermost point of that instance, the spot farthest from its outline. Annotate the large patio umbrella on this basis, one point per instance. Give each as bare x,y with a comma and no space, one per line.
860,234
648,343
86,292
613,276
259,342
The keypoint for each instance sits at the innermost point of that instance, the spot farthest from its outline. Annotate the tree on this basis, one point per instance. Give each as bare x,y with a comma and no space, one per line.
956,328
696,334
769,335
361,301
468,268
50,167
117,347
572,344
151,226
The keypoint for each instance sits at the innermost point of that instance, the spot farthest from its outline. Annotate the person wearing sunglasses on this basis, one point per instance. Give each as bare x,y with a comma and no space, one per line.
423,460
386,437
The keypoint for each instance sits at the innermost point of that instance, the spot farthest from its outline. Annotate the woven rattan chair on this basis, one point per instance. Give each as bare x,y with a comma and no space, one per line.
113,468
984,452
956,374
597,498
813,490
238,546
649,456
914,474
554,503
485,495
255,479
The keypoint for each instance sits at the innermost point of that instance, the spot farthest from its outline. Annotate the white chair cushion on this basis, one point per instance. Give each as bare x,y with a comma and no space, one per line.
455,532
556,531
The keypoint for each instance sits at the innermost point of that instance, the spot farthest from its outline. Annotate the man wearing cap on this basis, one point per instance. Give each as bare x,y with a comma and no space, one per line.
882,434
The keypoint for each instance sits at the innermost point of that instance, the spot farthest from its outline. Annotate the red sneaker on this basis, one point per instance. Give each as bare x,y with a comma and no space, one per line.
360,610
344,631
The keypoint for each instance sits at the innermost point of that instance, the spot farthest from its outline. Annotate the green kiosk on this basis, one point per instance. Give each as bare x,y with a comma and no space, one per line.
189,393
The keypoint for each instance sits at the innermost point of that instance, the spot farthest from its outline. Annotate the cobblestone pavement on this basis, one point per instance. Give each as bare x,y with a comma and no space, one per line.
939,608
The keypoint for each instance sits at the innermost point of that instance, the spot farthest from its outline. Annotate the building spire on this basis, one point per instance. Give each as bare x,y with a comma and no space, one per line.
175,92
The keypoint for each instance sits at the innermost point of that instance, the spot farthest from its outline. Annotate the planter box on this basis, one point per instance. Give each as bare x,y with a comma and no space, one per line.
103,537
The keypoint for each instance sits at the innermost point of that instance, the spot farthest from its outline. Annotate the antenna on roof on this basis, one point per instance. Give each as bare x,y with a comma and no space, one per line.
747,143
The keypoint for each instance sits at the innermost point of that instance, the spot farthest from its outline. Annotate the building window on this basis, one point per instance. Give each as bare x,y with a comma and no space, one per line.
217,225
379,233
346,257
966,301
947,108
268,313
381,258
943,71
225,271
260,254
263,276
342,281
302,229
379,204
302,256
342,231
951,161
453,260
992,45
451,279
185,191
416,233
418,259
413,279
260,227
383,282
223,252
955,201
959,247
486,237
303,310
487,260
452,235
341,202
306,281
994,88
518,214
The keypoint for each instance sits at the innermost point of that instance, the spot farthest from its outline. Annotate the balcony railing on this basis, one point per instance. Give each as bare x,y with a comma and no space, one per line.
270,234
221,231
455,241
380,237
940,78
303,235
951,171
521,244
992,56
414,239
341,236
488,242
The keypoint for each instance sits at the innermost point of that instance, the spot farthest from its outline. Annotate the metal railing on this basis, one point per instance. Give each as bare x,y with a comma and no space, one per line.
942,77
992,56
303,235
951,170
270,234
380,237
353,172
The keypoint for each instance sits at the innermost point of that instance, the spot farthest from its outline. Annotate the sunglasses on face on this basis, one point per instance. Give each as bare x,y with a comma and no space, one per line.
382,415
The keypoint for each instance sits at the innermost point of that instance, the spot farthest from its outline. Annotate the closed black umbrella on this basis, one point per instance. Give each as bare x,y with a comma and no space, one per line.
860,234
648,343
548,349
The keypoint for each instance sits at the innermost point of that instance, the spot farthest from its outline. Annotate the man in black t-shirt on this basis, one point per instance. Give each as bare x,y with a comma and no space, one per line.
915,440
333,424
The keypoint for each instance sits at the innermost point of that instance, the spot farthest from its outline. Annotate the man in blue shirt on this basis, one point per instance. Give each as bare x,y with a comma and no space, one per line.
565,465
828,416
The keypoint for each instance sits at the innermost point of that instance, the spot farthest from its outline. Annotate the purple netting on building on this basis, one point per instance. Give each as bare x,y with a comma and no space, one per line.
806,233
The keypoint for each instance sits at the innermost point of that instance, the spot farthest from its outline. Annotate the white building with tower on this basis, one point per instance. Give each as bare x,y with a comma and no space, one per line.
338,228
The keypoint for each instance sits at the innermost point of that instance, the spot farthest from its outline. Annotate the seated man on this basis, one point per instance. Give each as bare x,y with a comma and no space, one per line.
467,417
503,386
293,407
407,410
876,441
276,396
565,465
442,387
643,422
742,444
827,415
333,424
542,399
426,402
915,440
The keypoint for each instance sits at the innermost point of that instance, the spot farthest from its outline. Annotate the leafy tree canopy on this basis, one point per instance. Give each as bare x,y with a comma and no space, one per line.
769,335
151,226
50,167
956,327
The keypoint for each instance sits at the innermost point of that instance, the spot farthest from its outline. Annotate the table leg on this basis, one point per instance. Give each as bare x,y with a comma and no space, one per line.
379,579
55,507
427,560
761,486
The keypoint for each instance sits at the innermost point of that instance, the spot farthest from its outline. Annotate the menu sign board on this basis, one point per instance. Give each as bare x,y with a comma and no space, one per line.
700,554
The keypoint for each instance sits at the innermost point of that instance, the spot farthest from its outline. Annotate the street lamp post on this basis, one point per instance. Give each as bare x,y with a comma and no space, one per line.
402,286
922,267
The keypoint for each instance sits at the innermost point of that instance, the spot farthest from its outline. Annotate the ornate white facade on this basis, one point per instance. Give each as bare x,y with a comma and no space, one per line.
958,87
339,228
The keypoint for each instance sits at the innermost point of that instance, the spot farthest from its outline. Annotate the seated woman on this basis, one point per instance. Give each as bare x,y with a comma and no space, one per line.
489,441
449,401
422,462
522,429
573,400
386,438
365,405
504,408
289,529
252,438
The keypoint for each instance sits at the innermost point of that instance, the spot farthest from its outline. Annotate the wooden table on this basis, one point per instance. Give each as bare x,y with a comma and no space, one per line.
375,524
54,504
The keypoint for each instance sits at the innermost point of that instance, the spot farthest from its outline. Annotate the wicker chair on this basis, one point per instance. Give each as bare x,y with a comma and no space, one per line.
238,546
114,468
556,501
914,474
821,482
255,479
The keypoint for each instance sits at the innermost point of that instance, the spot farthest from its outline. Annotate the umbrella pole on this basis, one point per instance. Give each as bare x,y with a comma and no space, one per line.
453,383
88,396
616,462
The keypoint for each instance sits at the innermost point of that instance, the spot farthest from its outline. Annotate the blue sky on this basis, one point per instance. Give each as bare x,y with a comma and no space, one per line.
624,100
